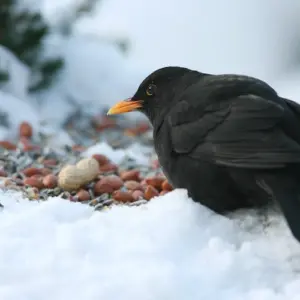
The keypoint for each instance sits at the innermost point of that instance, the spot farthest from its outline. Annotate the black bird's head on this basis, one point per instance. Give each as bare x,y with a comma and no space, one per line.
155,94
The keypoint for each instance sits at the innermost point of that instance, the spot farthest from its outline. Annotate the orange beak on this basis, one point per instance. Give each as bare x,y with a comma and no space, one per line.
125,106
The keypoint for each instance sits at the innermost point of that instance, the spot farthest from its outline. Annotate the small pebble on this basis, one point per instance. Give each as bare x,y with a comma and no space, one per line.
102,188
37,176
8,145
166,186
33,182
130,175
31,171
45,171
3,173
102,159
83,195
137,195
109,167
122,196
108,184
150,192
155,181
25,130
50,181
132,185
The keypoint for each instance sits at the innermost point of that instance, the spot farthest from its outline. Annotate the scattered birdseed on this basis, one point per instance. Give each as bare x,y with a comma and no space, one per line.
30,165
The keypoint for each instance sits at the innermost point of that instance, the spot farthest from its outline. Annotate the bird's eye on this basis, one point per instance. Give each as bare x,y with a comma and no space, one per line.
151,90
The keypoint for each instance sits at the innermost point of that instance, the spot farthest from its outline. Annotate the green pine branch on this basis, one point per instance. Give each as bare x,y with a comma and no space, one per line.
23,32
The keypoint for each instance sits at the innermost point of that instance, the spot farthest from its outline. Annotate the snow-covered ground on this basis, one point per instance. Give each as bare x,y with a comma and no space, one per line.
171,248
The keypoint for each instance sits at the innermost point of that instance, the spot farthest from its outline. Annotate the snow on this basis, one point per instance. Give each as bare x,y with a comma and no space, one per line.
171,248
134,151
18,74
108,68
254,37
95,75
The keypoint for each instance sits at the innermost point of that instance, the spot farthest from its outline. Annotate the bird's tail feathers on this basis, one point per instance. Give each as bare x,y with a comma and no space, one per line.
285,190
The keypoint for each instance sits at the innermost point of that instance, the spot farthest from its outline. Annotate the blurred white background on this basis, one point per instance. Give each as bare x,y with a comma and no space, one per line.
258,38
254,37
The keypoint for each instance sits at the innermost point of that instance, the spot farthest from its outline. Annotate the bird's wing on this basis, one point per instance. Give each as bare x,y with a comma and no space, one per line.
243,131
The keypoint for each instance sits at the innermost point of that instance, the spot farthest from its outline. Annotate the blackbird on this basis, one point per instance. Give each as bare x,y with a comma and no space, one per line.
230,140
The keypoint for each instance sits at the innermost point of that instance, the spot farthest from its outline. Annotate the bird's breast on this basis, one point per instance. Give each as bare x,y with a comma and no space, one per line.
163,148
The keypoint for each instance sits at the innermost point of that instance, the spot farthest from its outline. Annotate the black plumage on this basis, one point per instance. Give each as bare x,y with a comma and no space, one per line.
230,140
